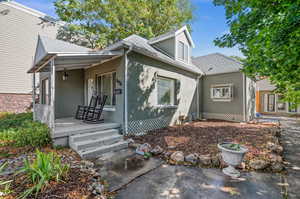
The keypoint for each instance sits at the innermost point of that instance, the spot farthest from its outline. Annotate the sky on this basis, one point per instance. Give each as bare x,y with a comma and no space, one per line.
209,22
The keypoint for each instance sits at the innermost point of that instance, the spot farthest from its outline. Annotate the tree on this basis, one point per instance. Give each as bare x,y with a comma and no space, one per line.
103,22
268,34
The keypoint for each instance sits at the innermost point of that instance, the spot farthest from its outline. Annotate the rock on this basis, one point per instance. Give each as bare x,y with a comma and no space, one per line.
258,164
205,160
171,147
167,154
274,147
277,167
134,145
97,188
177,156
215,160
275,158
192,158
276,131
145,148
87,164
130,141
157,150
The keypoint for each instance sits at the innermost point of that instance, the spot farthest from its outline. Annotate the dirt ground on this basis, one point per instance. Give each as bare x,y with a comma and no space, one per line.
202,137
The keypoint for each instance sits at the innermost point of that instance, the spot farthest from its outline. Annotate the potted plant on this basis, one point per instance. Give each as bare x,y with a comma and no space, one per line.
233,155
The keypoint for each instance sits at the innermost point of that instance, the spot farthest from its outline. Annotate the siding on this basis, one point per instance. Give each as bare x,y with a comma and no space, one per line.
18,38
143,113
232,110
167,46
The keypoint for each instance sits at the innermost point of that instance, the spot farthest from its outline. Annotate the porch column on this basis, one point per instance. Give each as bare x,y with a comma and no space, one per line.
52,98
33,96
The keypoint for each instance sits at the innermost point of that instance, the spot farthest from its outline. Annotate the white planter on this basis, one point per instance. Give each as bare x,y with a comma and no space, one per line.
233,158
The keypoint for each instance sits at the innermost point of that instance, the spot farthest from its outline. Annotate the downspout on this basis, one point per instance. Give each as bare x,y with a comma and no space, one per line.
244,98
125,91
198,97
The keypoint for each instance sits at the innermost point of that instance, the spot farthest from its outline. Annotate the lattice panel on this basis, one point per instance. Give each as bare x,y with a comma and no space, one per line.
140,127
225,116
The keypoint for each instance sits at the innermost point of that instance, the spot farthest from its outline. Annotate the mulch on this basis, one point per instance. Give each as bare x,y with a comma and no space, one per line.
202,137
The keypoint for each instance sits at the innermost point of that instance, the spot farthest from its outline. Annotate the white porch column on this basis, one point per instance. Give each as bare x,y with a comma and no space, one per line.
33,96
52,98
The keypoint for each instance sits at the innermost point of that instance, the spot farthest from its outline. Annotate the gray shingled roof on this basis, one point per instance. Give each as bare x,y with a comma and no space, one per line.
58,46
141,45
217,64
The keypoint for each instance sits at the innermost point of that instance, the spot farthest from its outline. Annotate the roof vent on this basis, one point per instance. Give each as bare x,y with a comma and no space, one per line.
4,12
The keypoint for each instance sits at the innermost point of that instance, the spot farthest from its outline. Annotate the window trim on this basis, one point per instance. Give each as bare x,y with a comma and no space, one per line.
221,99
172,96
44,95
111,105
274,101
185,48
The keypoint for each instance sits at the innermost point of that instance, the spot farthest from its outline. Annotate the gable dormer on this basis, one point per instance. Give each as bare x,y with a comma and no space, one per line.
176,44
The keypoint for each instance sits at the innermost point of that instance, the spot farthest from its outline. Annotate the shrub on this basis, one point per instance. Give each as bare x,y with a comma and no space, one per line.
19,130
45,168
4,185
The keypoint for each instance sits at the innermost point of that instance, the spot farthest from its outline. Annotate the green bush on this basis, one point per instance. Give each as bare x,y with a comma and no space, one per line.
19,130
45,168
4,185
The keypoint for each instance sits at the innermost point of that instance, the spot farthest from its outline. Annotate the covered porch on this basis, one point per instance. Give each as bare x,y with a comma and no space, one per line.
64,83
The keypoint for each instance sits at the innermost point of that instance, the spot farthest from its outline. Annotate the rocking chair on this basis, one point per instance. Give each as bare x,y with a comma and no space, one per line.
93,114
81,109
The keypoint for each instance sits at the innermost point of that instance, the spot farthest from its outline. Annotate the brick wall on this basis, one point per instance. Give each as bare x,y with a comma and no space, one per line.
15,102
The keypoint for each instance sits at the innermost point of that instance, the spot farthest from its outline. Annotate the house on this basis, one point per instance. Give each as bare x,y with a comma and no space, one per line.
19,29
150,84
226,92
270,102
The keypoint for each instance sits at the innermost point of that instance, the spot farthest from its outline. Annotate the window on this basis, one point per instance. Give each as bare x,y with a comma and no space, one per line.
106,84
165,91
271,103
221,92
281,105
45,91
183,51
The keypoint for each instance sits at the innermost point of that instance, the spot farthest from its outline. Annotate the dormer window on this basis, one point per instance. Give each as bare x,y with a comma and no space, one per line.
183,51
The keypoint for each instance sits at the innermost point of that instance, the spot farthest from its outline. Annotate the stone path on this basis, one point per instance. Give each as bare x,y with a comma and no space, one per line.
291,141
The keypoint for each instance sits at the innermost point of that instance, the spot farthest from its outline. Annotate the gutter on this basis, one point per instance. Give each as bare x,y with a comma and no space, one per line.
126,89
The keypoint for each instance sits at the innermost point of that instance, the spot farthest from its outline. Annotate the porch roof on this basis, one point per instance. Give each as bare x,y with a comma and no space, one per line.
67,55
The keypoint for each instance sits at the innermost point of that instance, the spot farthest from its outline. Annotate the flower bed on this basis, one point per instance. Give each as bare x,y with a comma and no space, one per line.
196,143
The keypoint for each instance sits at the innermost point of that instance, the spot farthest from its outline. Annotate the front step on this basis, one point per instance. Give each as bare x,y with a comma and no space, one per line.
94,135
97,151
82,145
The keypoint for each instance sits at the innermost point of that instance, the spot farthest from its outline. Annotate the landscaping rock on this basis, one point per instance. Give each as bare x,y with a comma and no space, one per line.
177,156
277,167
258,164
146,148
276,132
205,160
87,164
215,160
157,150
275,158
166,154
192,158
96,188
275,147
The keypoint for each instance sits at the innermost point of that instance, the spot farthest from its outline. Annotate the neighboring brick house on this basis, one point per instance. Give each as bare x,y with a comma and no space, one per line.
19,30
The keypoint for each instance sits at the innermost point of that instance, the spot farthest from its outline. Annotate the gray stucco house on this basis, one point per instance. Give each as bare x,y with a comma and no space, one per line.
149,83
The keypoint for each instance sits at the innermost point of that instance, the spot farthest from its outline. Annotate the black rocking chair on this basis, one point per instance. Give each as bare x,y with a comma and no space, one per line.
93,114
81,109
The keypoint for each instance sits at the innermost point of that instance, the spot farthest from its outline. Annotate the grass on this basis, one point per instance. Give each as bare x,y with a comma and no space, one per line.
20,130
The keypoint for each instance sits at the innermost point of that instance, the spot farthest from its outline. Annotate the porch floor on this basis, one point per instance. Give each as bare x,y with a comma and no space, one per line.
71,126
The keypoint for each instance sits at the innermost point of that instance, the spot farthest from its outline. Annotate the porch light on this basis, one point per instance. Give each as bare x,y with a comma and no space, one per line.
65,75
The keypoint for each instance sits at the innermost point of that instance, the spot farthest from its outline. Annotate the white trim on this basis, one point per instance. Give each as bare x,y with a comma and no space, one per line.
111,84
221,99
52,98
24,8
126,89
33,97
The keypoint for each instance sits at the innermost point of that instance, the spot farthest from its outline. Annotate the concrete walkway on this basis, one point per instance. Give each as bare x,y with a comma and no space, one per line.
291,142
174,182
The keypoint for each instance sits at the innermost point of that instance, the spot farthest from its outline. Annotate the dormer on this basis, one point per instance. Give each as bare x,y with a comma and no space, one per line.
176,44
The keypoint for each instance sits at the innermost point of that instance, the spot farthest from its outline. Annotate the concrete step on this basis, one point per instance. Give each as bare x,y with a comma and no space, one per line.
92,136
87,128
97,151
100,141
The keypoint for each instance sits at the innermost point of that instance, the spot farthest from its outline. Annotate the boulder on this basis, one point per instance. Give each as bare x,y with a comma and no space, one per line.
192,158
157,150
275,158
277,167
166,154
274,147
258,164
205,160
215,160
144,148
177,156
